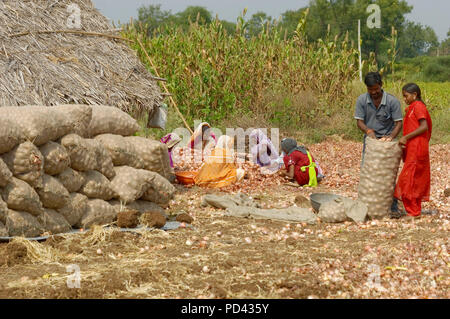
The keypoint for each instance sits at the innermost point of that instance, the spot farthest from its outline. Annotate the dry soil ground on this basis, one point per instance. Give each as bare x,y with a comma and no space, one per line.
227,257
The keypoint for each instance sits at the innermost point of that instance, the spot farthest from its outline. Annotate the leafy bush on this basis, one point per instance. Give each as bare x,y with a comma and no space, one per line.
424,68
438,69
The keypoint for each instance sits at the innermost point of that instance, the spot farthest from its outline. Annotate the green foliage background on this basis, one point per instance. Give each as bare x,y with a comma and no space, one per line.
255,75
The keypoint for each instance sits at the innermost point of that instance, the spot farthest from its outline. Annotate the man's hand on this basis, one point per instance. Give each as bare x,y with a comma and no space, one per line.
371,134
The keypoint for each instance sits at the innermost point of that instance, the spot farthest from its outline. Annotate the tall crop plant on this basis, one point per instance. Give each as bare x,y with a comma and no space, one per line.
214,76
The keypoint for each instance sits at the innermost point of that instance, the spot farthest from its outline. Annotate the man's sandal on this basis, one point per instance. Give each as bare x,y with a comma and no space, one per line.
398,214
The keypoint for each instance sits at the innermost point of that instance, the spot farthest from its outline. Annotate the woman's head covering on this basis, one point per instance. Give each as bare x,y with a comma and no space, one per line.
262,149
225,142
256,136
171,140
289,145
197,137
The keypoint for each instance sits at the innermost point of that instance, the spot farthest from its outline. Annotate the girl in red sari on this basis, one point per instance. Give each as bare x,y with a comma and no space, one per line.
413,185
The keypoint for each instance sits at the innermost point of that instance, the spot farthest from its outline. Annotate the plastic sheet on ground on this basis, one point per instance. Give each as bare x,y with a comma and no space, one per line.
172,225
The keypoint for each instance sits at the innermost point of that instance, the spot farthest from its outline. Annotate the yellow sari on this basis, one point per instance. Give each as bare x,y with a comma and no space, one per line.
220,169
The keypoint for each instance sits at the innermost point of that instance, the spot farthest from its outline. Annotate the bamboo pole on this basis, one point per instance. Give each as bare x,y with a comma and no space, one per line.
70,32
164,85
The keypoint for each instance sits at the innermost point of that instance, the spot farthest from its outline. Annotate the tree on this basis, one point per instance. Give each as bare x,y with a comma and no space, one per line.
332,18
416,40
438,69
337,17
230,27
258,22
290,20
392,15
153,17
191,14
444,48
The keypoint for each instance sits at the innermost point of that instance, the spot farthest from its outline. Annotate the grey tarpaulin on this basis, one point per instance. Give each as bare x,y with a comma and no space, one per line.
240,205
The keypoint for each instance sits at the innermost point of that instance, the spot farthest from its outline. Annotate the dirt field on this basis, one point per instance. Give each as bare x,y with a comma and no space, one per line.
227,257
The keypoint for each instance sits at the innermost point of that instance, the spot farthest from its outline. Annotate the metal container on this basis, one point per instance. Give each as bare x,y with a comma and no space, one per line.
318,199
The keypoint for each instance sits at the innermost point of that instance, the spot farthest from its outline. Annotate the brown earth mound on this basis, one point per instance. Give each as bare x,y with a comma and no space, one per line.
128,219
16,253
153,219
184,218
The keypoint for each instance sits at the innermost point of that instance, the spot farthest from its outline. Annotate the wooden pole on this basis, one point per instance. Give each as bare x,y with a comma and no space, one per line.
164,85
359,49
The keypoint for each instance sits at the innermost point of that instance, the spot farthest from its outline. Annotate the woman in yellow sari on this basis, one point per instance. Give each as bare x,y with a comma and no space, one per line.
220,168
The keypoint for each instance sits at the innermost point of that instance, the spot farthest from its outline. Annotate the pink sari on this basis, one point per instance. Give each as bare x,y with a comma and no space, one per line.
170,140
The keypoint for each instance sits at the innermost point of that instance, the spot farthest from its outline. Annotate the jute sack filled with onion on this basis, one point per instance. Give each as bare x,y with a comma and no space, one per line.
26,162
111,120
5,174
378,176
56,158
154,154
38,124
23,224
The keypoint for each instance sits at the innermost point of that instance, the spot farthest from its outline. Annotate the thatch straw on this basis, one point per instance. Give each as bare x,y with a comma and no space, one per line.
44,62
98,234
38,253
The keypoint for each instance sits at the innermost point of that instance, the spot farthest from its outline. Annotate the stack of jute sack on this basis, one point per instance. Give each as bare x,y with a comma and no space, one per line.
75,166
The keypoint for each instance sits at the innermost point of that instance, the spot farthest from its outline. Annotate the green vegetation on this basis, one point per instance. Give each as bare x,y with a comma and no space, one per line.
217,77
254,75
153,20
326,19
424,69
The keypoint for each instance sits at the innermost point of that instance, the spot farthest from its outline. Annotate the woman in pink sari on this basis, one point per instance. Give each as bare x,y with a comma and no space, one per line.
171,140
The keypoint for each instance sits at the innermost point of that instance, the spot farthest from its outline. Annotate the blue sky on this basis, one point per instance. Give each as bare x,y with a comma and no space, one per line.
434,13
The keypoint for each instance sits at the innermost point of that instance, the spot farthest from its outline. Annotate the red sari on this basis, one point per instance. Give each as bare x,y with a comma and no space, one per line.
298,159
413,185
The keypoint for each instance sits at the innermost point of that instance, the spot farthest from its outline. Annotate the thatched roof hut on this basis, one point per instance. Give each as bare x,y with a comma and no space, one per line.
44,60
